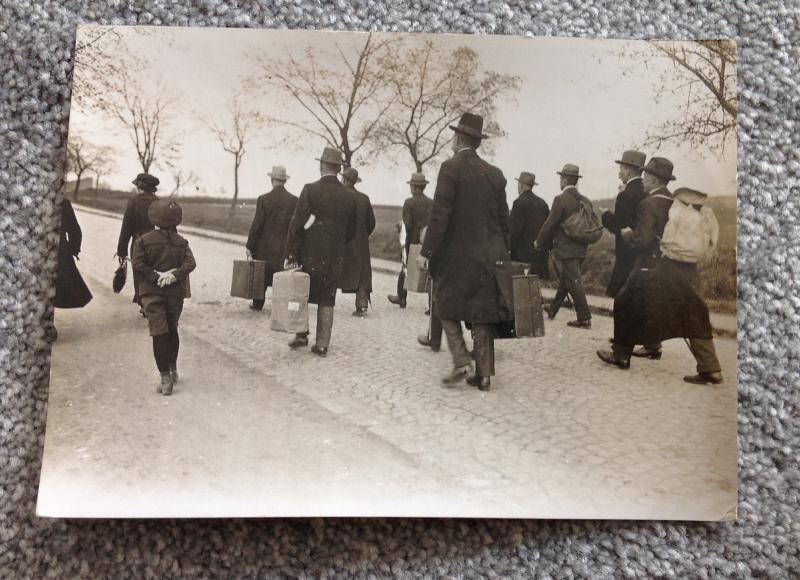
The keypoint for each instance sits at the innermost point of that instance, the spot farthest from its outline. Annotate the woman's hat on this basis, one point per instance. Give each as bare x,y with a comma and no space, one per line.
660,167
146,180
470,124
165,213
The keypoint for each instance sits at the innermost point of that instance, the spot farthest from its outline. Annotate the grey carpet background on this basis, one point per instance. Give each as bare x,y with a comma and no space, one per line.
36,40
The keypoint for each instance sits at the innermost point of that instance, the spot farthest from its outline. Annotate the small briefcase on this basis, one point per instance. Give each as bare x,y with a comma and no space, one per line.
249,277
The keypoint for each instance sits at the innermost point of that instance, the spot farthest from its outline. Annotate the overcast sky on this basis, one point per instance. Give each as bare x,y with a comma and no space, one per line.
575,105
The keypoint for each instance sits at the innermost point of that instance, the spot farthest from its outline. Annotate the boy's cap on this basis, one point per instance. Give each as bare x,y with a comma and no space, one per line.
165,213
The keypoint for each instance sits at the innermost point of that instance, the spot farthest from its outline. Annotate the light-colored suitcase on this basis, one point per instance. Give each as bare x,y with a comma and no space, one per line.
290,291
416,277
249,279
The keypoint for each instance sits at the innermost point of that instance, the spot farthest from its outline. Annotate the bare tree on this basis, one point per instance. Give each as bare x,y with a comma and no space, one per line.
182,179
430,92
342,103
704,76
83,157
233,133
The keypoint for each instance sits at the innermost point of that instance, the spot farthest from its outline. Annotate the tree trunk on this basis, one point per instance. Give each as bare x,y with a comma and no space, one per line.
232,210
419,166
77,186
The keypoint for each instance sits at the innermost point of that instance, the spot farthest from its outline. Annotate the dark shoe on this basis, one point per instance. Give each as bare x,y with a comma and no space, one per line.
173,372
647,353
551,313
394,299
704,379
256,308
425,341
299,342
483,383
165,388
459,374
585,324
360,312
320,350
611,340
610,357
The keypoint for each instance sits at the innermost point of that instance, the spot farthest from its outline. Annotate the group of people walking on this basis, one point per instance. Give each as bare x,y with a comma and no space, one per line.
468,237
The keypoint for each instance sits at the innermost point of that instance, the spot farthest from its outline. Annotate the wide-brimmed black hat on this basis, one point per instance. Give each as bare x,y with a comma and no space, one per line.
146,180
165,213
660,167
470,124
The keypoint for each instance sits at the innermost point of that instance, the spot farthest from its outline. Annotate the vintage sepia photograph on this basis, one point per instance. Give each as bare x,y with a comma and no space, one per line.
310,274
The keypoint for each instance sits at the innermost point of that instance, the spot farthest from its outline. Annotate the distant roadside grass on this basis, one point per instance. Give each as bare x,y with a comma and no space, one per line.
718,276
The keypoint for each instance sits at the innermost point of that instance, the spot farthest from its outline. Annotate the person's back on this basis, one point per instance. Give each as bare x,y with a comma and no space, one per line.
135,222
569,203
528,214
161,250
416,212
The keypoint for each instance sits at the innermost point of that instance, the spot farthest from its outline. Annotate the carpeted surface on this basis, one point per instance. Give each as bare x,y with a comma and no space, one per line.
36,39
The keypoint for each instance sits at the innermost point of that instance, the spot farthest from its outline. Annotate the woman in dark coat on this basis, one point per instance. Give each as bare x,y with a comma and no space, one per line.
71,290
136,223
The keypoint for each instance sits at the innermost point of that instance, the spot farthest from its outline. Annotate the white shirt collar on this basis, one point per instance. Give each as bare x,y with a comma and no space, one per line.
465,149
633,179
659,188
336,175
569,187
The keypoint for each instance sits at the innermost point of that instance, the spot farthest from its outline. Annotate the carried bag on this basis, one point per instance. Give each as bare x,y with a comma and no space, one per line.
249,279
416,277
290,290
583,226
691,234
120,276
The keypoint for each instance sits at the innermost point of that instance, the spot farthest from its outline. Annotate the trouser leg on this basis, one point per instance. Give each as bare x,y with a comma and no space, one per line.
161,352
705,354
435,330
455,342
573,280
324,326
402,293
483,338
174,346
258,303
622,351
362,297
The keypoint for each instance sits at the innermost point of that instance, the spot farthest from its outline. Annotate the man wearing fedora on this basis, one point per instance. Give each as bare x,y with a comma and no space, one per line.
660,299
356,274
416,211
267,238
528,214
568,253
623,216
466,244
136,223
324,222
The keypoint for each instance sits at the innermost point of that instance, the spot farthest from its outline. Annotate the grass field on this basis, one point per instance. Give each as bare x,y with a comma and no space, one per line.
718,275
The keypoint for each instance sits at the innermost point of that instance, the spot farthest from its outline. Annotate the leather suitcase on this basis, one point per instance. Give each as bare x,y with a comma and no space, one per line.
528,310
290,291
249,278
416,277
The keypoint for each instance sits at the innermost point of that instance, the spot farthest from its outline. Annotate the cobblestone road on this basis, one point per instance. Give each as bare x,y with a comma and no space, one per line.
560,435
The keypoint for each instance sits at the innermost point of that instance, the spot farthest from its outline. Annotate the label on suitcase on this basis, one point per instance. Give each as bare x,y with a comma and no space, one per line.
249,279
416,277
290,291
528,312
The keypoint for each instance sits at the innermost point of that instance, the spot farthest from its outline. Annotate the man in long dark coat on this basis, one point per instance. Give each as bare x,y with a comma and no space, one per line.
136,223
465,241
623,216
660,299
416,211
356,274
270,228
569,254
528,214
324,222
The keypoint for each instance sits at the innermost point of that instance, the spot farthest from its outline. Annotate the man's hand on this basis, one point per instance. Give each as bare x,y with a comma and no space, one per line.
627,234
536,245
290,264
249,254
422,262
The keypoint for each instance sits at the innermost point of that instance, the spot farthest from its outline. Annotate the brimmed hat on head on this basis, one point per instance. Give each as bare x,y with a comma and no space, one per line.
146,180
470,124
527,178
351,174
570,169
660,167
417,179
633,158
331,155
278,172
165,213
690,196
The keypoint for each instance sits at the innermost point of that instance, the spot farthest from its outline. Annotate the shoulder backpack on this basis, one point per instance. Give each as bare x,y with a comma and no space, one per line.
583,226
691,234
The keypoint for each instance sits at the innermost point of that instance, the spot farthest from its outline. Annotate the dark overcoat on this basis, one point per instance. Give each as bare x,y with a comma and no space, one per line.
320,248
467,236
661,298
416,212
159,251
356,266
623,216
71,290
270,228
528,214
552,235
135,223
